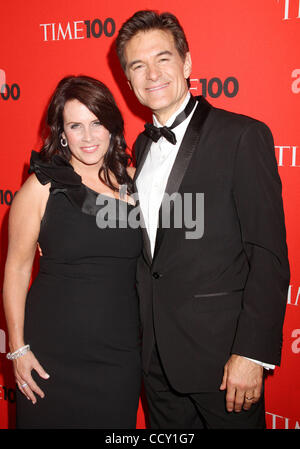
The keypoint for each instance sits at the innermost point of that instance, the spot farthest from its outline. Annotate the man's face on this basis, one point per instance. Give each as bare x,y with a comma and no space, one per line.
156,72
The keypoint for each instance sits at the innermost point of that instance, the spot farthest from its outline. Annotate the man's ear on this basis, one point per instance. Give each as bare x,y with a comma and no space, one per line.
187,68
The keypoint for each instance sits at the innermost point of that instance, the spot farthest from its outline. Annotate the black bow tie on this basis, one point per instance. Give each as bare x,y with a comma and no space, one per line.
156,133
166,131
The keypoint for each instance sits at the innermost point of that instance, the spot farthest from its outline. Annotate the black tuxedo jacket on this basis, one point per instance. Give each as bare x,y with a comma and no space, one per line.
202,300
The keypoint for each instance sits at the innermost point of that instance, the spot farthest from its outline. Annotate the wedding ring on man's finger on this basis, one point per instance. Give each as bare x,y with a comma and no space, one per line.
24,385
250,399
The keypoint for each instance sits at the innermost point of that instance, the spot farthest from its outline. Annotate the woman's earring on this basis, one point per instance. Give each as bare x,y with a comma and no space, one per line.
63,142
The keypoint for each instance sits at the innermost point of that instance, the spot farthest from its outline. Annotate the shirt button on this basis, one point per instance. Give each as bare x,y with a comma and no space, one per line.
156,275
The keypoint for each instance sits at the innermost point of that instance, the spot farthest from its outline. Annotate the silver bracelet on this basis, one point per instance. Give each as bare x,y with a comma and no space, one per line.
18,353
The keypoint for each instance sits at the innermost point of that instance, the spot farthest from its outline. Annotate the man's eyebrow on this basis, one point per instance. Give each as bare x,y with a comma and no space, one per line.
136,61
165,52
161,53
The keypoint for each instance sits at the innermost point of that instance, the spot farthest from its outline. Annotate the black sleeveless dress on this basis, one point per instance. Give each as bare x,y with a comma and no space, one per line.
81,318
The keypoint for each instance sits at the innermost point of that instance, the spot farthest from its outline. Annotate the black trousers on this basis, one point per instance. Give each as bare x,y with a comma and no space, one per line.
168,409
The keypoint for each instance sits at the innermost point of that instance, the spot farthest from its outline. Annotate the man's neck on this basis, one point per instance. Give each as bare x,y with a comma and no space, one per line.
163,116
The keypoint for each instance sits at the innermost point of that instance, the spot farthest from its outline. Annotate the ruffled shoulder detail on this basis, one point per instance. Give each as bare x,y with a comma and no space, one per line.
64,180
58,171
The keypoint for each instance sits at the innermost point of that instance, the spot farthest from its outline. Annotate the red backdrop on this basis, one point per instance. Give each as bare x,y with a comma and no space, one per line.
244,60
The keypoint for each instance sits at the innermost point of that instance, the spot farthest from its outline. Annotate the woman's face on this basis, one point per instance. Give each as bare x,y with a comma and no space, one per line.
88,140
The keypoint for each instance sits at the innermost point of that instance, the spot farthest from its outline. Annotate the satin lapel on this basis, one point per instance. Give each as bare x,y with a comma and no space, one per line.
146,143
140,163
185,152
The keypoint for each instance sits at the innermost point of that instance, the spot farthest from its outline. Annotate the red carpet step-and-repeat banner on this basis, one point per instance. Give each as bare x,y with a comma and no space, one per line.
245,59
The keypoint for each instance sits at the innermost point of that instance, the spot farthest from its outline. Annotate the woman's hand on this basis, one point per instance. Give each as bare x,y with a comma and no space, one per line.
23,367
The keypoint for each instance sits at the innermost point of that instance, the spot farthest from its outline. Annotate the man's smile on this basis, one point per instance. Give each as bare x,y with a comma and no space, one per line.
156,88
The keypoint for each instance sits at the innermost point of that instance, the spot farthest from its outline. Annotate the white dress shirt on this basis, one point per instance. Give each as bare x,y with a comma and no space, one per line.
152,180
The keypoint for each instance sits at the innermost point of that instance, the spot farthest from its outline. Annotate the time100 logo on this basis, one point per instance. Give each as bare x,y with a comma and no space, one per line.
12,91
79,29
6,197
215,87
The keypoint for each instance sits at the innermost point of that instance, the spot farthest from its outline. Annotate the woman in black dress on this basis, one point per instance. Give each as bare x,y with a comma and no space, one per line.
80,317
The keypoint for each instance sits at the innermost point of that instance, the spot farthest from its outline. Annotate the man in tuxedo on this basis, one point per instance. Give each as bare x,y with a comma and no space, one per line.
212,303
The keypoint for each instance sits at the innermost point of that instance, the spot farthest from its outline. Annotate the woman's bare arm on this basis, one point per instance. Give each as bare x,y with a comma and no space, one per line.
25,216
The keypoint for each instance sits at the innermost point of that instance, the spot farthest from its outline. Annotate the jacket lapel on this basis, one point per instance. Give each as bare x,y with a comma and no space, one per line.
185,152
144,148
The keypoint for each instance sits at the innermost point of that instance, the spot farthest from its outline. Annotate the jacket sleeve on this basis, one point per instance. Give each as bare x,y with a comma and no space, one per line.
258,199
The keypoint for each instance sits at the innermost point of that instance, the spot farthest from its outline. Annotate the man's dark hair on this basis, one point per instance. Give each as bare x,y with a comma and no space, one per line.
150,20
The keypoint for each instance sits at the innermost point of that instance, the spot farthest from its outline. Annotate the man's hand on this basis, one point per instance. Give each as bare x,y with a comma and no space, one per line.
243,381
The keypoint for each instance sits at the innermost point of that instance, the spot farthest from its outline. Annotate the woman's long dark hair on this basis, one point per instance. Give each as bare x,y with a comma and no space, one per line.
99,100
